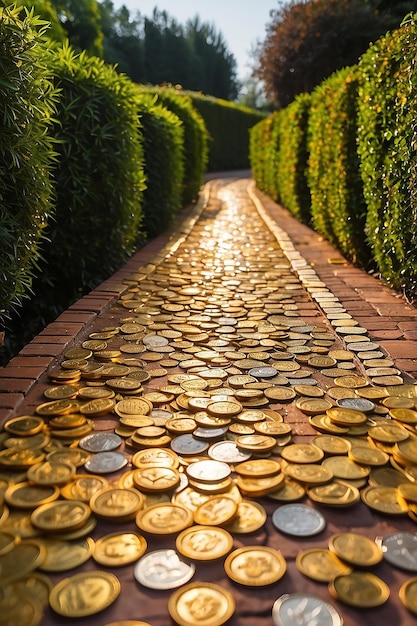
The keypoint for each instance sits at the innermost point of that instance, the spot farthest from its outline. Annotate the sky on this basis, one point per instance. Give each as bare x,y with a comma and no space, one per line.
241,22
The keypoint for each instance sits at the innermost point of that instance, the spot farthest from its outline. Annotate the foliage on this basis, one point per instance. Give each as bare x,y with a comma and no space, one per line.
227,150
158,50
81,21
292,158
387,140
163,139
26,151
307,40
47,11
99,179
195,137
263,147
337,203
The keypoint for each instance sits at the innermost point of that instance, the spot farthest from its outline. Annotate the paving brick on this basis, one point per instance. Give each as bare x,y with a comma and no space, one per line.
37,362
16,385
386,334
11,400
400,349
41,349
403,311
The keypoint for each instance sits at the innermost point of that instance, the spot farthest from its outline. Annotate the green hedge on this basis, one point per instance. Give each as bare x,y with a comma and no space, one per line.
99,179
337,204
195,137
26,151
228,125
263,148
291,161
387,147
163,142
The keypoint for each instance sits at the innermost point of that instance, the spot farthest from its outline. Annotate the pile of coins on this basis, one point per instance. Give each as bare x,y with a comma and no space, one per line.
208,392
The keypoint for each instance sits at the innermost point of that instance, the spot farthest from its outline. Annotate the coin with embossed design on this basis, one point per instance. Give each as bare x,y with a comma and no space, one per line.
84,594
299,520
255,566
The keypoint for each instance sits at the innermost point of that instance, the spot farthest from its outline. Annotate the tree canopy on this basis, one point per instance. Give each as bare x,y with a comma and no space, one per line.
307,40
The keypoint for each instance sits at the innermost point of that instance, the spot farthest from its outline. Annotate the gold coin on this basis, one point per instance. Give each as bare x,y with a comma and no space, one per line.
407,449
351,382
156,479
322,362
198,603
323,424
250,517
273,429
331,445
136,421
385,500
255,566
339,393
61,515
73,456
386,477
311,473
48,473
255,443
398,402
336,493
117,504
204,543
344,468
346,417
408,594
388,433
157,457
288,491
310,391
165,518
84,594
408,491
365,455
216,511
313,406
320,564
98,407
60,392
302,453
355,549
258,487
224,408
280,394
407,416
83,487
57,407
360,589
25,557
20,459
258,468
65,555
65,422
119,549
24,426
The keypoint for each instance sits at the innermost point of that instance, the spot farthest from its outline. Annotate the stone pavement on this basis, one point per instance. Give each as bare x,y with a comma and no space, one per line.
242,289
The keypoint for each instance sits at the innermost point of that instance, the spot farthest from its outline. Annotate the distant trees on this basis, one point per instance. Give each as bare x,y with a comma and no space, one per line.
307,40
151,50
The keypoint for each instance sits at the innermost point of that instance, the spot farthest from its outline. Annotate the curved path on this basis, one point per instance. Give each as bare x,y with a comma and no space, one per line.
268,329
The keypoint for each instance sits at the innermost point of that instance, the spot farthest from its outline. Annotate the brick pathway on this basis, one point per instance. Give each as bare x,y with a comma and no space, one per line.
303,281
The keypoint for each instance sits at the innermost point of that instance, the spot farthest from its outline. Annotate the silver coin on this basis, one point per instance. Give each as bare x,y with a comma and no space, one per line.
106,462
400,549
187,444
357,404
100,442
362,346
228,452
302,381
298,519
163,569
209,434
263,372
208,471
304,610
154,341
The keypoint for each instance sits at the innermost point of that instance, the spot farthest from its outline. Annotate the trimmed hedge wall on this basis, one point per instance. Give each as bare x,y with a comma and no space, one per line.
26,152
163,144
195,137
99,179
228,125
387,147
337,204
361,158
292,158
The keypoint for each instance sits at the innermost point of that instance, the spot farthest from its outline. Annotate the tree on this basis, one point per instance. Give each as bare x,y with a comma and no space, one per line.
81,21
308,40
46,11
